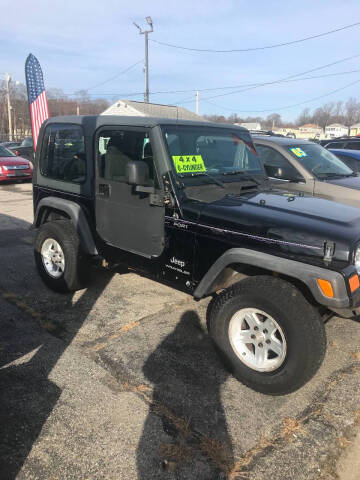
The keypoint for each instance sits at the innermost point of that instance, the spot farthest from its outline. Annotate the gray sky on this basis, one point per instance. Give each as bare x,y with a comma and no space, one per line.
81,43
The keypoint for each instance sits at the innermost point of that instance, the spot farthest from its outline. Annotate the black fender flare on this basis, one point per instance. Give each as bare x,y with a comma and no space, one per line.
304,272
76,215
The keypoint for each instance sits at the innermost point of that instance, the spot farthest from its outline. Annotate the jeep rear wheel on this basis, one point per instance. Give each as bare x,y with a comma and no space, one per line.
59,258
271,338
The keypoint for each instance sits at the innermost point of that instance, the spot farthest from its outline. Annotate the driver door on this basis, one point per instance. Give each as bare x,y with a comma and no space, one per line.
124,218
281,172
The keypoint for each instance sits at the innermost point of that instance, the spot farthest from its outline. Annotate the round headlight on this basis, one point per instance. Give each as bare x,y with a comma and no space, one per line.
357,260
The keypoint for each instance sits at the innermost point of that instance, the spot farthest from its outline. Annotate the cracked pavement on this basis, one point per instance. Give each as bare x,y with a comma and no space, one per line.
121,381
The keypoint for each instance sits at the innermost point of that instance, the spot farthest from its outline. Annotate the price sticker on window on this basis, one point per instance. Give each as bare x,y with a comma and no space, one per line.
189,163
299,152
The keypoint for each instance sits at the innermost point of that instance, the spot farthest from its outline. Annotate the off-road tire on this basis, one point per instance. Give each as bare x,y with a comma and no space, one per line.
300,322
76,264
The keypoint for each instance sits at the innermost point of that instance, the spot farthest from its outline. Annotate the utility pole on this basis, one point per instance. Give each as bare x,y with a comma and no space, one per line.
77,110
7,81
15,127
146,66
197,102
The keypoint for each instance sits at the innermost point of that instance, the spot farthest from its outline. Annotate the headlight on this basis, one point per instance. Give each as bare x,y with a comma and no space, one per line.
357,259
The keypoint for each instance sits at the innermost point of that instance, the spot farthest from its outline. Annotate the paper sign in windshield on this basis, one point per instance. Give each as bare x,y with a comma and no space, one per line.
189,163
299,152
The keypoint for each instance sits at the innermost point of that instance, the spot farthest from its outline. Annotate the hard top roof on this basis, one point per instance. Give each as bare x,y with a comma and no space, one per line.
281,140
92,122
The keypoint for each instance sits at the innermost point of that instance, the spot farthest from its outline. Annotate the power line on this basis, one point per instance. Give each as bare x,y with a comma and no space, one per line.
244,87
281,80
252,49
134,94
248,84
287,106
112,78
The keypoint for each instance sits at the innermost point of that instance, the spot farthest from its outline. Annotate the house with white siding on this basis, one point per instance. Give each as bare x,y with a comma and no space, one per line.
309,130
336,130
355,129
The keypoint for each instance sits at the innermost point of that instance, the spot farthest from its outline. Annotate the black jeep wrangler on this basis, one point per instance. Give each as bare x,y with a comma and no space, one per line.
189,204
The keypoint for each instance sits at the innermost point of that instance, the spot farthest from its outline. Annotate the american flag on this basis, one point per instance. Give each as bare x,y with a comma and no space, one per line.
39,111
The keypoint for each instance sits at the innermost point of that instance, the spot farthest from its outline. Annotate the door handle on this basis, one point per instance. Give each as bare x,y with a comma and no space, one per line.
104,189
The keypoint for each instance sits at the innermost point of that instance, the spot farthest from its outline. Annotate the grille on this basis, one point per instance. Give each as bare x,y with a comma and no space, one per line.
17,167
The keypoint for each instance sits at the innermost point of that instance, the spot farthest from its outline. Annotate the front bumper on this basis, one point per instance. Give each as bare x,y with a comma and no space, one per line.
16,175
346,303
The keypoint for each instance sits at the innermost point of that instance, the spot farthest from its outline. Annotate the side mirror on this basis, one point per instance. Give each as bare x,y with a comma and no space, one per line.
137,173
279,173
17,152
289,174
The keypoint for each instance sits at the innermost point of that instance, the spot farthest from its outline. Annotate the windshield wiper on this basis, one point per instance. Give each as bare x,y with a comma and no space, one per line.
336,175
244,174
206,175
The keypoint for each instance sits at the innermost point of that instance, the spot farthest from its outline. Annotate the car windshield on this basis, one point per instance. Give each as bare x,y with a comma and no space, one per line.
27,142
4,152
319,161
212,152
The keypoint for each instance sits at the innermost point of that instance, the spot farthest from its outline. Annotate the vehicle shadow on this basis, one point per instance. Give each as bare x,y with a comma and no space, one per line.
185,435
28,353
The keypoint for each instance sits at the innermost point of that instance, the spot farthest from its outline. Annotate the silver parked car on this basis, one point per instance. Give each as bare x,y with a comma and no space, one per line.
303,166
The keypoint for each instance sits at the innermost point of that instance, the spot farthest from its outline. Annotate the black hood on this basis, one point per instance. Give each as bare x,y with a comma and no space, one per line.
291,222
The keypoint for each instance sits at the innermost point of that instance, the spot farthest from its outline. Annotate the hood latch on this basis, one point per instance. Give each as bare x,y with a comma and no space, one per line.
329,250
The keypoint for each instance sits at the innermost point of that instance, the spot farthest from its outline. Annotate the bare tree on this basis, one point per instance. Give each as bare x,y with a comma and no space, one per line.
323,115
274,120
59,104
352,111
304,117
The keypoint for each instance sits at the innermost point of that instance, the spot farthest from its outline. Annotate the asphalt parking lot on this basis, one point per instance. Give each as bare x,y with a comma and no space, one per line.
120,381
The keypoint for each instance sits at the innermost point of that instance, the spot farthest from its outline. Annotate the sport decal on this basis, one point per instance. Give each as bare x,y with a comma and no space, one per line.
298,152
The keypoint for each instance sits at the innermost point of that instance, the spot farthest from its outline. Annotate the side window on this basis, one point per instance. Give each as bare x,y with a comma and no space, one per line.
350,162
116,148
335,145
63,157
353,145
275,164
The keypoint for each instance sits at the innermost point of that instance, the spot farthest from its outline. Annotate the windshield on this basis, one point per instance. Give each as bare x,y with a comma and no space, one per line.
27,142
4,152
319,161
211,151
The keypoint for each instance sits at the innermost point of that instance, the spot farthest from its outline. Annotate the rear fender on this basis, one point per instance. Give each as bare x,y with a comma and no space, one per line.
76,215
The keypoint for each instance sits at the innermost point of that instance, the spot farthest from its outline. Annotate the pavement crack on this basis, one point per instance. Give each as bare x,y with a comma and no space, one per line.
16,300
292,428
102,342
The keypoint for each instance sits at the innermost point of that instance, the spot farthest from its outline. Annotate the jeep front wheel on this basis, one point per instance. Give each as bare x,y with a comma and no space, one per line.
272,339
59,258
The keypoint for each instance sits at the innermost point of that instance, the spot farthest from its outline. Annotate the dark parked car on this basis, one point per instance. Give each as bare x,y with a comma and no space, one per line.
188,204
26,149
304,166
350,157
349,143
10,144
